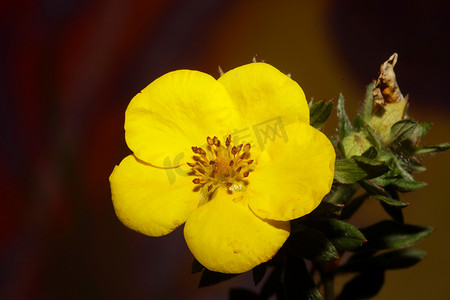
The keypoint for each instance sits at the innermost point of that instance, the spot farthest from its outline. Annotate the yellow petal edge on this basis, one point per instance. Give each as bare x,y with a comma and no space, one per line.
145,201
292,177
225,236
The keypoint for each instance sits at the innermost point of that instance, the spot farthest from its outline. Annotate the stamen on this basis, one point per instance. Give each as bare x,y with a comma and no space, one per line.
219,166
228,141
216,141
234,150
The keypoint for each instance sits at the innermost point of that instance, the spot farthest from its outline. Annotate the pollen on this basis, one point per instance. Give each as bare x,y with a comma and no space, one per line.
221,164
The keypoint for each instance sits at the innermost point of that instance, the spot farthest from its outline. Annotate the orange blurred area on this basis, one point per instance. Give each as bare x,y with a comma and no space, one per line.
69,68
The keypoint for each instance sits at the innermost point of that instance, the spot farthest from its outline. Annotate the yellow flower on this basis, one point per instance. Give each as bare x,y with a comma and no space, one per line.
189,165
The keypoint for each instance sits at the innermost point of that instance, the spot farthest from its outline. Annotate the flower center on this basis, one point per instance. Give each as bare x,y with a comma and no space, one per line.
222,165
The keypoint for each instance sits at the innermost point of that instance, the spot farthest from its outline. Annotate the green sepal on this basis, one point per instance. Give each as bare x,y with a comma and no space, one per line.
310,244
319,113
389,234
340,193
396,259
325,210
358,168
401,131
422,129
341,234
258,273
432,149
368,101
362,126
371,152
345,127
196,267
363,286
209,278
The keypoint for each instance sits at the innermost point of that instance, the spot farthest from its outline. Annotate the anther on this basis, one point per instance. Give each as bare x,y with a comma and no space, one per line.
211,162
231,163
194,149
210,187
250,161
247,148
196,180
228,141
238,170
242,156
239,147
210,141
191,164
234,150
201,171
201,151
245,174
216,141
229,184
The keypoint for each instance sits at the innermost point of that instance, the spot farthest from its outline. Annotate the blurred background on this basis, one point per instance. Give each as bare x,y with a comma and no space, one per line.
69,68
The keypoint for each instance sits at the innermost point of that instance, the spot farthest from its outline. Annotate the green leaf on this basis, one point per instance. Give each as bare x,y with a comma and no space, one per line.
345,127
363,286
401,130
258,273
390,234
396,259
210,278
406,185
311,244
368,101
341,234
242,294
358,168
395,212
390,201
298,282
319,113
432,149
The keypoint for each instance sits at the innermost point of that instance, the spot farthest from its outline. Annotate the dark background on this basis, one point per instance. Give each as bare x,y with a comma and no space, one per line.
69,68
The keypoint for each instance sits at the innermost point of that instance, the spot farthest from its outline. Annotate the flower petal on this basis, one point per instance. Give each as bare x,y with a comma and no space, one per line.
292,177
225,236
146,201
173,113
260,93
